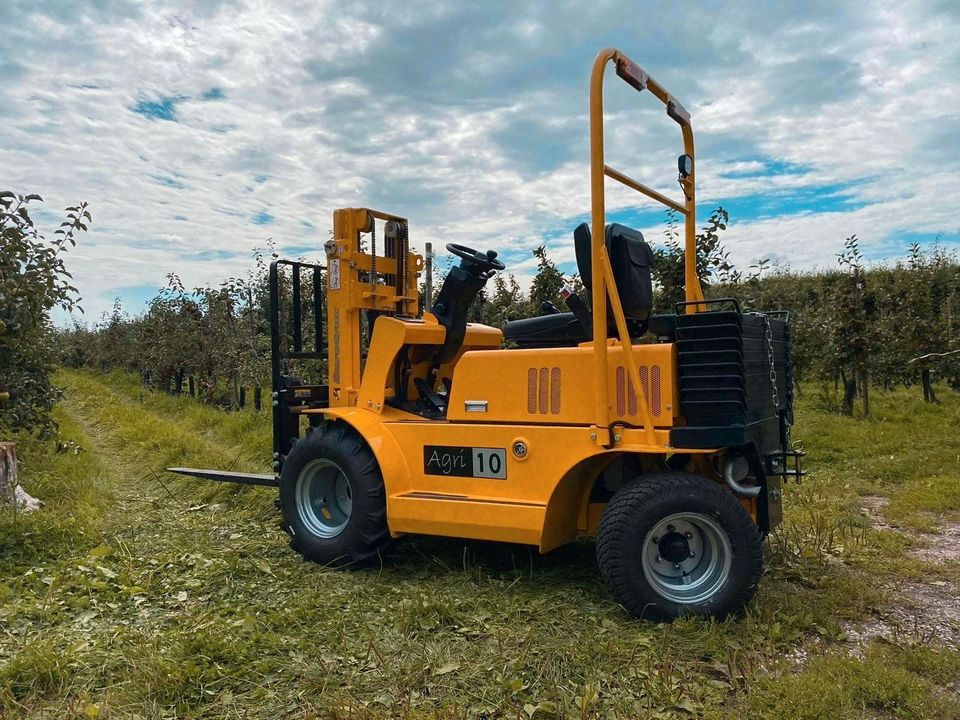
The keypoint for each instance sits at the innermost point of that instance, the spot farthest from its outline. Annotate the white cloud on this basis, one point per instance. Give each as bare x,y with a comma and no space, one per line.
471,120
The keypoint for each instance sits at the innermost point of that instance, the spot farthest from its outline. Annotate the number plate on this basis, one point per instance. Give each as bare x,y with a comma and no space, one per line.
465,461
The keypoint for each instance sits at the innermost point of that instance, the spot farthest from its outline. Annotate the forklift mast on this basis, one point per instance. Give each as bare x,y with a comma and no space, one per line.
360,280
375,280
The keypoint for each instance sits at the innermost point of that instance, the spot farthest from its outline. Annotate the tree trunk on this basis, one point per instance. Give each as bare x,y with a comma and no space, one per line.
178,382
849,392
257,398
865,389
10,492
243,396
235,381
928,394
191,384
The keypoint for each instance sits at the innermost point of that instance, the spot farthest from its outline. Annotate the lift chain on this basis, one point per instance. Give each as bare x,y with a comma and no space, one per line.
373,253
405,255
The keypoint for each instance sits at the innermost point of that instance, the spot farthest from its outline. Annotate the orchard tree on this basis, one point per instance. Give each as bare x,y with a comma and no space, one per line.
546,285
852,332
713,260
927,316
33,281
506,302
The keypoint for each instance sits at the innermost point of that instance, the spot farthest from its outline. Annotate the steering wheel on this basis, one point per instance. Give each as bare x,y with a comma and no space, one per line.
484,262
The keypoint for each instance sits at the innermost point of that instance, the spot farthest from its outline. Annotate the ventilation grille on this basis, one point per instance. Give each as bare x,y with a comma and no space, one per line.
543,391
627,394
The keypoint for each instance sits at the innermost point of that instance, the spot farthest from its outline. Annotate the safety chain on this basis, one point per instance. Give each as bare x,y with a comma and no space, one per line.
768,332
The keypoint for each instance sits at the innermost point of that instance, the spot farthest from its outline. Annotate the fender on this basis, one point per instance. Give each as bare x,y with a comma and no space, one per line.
385,449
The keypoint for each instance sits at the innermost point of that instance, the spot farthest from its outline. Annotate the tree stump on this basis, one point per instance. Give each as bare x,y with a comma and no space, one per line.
10,491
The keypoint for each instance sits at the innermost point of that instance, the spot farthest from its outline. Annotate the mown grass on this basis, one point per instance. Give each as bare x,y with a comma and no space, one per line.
168,597
69,479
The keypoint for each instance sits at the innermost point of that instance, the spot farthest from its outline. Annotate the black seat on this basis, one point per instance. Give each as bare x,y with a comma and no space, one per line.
630,259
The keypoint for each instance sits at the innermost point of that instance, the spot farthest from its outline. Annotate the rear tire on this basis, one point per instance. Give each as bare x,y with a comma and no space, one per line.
673,543
333,499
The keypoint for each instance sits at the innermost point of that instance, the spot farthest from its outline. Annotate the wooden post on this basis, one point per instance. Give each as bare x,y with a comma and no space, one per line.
10,492
8,472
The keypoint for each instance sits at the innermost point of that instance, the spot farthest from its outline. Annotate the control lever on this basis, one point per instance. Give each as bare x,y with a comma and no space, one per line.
579,309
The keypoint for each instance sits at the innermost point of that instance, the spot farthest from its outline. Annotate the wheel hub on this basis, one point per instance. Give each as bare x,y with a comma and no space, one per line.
324,498
687,557
674,547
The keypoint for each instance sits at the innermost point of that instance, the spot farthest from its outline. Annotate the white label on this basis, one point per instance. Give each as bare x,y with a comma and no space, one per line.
335,274
490,463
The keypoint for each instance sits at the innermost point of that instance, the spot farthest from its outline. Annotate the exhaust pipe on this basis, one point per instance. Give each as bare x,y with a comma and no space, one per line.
729,468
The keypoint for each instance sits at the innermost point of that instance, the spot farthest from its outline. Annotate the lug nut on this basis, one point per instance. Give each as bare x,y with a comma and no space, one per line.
692,554
676,566
659,559
669,528
688,534
655,541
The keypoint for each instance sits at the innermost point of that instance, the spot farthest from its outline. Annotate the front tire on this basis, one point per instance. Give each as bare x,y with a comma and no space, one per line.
673,543
333,499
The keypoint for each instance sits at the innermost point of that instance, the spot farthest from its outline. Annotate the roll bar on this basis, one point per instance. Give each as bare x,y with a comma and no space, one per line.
602,273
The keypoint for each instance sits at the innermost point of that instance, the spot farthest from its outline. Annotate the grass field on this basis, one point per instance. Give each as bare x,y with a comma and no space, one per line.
137,594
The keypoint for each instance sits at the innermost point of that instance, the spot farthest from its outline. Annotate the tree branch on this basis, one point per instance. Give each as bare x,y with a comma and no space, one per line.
934,355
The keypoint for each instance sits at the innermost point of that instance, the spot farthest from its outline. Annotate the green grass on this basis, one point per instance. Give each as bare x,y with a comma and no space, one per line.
913,682
137,593
70,482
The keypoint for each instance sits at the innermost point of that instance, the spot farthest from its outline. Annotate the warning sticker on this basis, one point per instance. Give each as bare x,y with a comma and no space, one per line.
335,274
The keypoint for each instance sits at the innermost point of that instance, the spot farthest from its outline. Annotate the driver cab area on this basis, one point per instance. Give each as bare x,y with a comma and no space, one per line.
425,351
631,260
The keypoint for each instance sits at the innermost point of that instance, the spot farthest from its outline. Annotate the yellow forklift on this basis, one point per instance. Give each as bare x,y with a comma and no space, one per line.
669,449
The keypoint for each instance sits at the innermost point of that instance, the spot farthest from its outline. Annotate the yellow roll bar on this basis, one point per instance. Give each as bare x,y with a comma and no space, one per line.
602,276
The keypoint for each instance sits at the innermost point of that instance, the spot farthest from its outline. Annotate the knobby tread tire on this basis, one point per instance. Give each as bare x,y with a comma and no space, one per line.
366,537
636,508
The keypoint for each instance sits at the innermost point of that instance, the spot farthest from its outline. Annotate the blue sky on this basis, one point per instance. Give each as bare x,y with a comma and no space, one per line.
199,129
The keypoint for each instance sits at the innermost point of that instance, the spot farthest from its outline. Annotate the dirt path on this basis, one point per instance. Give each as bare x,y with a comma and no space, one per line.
921,610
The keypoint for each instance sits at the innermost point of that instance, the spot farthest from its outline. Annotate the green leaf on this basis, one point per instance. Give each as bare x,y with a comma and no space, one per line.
101,551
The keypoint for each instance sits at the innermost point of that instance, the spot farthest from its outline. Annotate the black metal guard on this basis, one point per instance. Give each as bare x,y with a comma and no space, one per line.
290,392
679,306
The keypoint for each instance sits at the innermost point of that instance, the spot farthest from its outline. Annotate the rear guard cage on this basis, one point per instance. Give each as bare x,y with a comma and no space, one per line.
604,283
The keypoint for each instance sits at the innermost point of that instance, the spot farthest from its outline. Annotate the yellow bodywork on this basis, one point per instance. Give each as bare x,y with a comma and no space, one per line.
572,410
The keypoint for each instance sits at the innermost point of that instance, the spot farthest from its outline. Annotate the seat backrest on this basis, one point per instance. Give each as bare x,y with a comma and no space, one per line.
631,260
581,246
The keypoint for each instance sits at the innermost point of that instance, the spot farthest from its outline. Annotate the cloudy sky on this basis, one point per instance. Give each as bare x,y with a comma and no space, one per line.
198,130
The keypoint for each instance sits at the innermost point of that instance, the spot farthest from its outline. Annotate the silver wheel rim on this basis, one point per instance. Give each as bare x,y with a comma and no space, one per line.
686,558
324,498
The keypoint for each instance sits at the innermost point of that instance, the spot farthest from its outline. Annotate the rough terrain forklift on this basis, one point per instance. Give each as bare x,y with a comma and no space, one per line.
665,437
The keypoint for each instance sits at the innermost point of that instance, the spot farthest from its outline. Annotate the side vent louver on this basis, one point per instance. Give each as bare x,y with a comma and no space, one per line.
627,394
543,391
